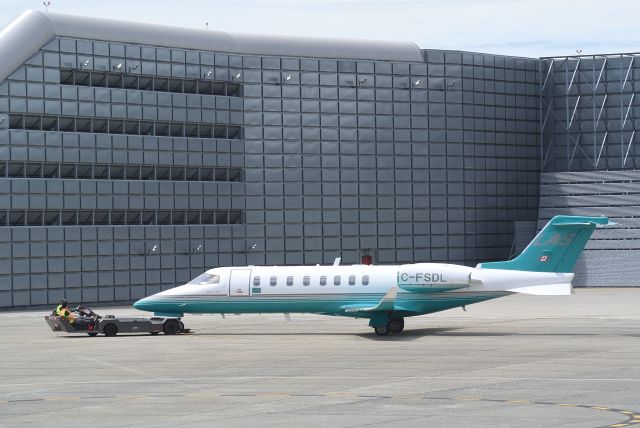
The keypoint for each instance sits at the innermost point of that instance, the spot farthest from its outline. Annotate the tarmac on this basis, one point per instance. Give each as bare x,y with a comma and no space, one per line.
525,361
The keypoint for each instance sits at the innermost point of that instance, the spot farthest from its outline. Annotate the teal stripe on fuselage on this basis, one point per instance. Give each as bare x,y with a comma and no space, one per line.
409,304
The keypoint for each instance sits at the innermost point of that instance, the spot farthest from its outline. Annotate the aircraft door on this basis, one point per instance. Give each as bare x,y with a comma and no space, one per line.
239,282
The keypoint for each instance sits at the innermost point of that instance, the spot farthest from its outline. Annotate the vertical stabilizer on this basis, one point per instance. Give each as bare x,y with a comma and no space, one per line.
556,248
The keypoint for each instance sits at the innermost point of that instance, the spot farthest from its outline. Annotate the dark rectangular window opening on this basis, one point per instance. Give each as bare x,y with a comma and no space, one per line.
100,126
206,174
163,173
17,218
51,218
101,172
178,217
34,218
235,217
117,172
130,82
148,217
219,131
82,78
233,132
118,217
164,217
33,123
132,172
67,124
68,171
16,170
160,84
66,77
190,86
134,217
177,173
205,131
98,80
85,218
69,218
147,173
116,126
208,217
222,217
101,218
193,217
115,217
192,174
235,174
84,171
114,80
16,121
49,123
83,125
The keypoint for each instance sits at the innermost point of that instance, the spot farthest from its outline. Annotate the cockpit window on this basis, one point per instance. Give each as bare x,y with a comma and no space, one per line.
206,278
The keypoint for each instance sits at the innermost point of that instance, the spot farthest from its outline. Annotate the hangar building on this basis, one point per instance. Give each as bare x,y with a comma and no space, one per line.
134,156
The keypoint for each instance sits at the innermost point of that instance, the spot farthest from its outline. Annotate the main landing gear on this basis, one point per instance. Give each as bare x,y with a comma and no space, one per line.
394,325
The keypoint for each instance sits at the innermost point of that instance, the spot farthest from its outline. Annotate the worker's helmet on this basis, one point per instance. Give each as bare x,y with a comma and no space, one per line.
63,303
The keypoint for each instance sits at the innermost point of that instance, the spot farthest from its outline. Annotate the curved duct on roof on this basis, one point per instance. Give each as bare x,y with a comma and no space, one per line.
29,32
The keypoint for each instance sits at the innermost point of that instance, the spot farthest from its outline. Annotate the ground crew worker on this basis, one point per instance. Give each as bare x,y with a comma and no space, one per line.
65,313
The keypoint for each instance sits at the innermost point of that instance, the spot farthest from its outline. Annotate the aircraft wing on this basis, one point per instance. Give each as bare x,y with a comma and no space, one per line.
386,304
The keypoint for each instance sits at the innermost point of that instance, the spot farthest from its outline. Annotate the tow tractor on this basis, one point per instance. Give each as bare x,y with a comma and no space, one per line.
93,324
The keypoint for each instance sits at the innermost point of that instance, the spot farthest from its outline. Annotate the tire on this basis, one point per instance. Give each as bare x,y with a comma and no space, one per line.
92,334
154,333
396,325
382,330
181,325
110,330
171,327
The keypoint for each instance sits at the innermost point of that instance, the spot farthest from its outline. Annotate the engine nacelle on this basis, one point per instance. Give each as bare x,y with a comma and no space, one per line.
433,277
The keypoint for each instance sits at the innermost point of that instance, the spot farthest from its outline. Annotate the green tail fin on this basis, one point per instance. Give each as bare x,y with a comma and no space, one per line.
556,248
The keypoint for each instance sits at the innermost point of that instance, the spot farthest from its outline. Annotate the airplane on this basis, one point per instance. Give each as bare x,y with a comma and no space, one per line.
384,294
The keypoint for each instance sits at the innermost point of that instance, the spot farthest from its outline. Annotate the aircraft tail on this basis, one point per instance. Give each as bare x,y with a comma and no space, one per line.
556,248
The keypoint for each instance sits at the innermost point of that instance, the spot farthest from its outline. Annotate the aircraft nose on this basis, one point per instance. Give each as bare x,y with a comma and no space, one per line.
142,304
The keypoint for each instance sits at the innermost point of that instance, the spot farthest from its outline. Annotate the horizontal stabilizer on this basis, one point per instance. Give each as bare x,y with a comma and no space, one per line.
386,304
562,289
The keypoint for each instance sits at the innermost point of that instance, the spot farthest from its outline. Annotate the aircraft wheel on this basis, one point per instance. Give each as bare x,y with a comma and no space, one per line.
181,325
382,330
171,327
110,330
396,325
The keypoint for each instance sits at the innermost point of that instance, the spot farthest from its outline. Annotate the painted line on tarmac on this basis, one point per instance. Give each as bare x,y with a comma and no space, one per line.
631,417
243,378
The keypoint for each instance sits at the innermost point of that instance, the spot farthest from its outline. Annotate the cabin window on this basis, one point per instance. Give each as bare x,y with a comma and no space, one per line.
273,281
365,280
323,280
289,281
336,280
352,280
306,280
256,281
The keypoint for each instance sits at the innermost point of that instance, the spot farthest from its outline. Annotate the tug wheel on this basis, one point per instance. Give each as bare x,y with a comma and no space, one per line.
171,327
110,330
